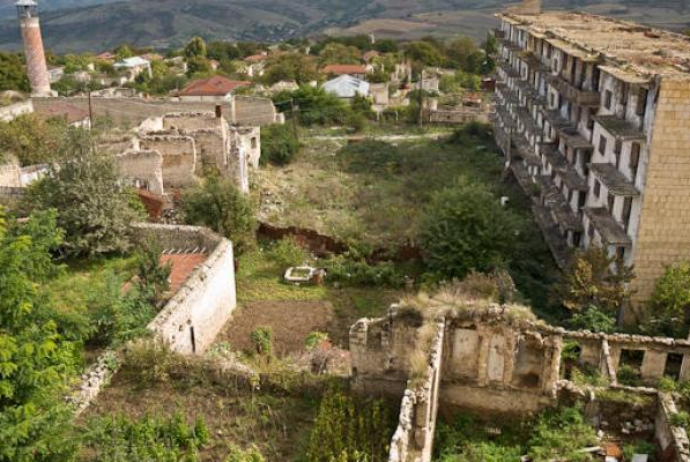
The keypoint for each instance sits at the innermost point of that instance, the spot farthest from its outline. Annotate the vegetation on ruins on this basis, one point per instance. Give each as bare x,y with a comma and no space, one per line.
314,106
219,205
279,144
153,277
94,208
35,358
350,430
118,438
287,252
595,279
557,434
262,338
33,139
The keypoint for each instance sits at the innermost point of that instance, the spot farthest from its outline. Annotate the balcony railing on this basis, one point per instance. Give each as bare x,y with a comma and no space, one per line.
573,93
620,129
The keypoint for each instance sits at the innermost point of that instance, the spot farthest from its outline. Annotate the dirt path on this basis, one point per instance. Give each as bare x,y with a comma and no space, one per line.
291,321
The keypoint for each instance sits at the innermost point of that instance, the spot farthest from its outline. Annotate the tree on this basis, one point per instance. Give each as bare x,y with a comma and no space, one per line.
464,54
279,144
13,73
424,53
670,301
93,206
34,359
198,66
219,205
595,279
465,228
154,278
222,50
337,53
33,139
123,52
316,106
290,66
196,47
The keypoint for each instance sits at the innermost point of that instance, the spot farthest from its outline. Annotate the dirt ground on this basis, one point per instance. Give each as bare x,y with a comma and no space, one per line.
291,321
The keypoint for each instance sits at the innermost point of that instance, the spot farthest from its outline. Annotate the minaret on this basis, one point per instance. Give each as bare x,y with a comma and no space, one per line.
33,48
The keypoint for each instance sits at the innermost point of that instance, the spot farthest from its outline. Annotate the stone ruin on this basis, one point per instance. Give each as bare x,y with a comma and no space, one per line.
497,361
176,150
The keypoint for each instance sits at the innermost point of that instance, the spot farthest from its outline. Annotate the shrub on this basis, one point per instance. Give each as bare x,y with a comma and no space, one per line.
154,278
316,106
670,300
627,375
241,455
288,252
279,144
218,204
350,430
465,228
347,270
314,339
593,319
561,434
262,338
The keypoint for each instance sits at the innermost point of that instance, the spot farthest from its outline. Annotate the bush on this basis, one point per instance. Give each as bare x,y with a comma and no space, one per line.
219,205
629,376
670,301
465,228
287,252
593,319
240,455
279,145
316,106
262,338
314,339
352,271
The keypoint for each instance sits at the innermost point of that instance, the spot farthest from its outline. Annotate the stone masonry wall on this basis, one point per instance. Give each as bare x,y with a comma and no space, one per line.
190,321
11,112
143,169
663,236
179,157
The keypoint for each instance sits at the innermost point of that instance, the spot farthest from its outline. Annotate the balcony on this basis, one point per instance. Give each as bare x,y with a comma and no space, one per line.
621,129
499,34
523,178
552,236
614,180
572,93
509,70
528,122
535,64
558,207
525,151
505,117
563,169
567,131
610,231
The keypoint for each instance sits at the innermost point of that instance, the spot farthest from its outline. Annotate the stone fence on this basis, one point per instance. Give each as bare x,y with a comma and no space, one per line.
12,111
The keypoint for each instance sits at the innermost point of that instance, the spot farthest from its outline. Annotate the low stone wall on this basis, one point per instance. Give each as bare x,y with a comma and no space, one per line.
190,321
12,111
457,117
94,379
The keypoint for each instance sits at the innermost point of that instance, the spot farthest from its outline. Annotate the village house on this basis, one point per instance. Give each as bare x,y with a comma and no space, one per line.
347,87
212,89
358,71
593,116
255,64
56,73
132,67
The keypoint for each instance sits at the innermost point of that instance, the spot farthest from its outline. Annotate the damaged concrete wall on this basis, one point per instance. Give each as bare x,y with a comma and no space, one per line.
179,157
190,321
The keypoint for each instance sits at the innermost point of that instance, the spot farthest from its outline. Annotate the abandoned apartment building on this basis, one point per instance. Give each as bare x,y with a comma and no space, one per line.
175,151
593,115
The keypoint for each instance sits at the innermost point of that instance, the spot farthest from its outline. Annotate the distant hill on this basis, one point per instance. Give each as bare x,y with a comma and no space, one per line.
96,25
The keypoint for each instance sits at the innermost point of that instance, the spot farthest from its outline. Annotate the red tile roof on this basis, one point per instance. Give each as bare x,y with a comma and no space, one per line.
213,86
183,265
256,58
342,69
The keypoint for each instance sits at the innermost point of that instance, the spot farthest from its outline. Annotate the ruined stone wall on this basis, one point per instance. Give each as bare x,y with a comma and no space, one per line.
663,236
190,121
10,171
133,111
11,112
212,150
250,139
179,157
142,169
190,321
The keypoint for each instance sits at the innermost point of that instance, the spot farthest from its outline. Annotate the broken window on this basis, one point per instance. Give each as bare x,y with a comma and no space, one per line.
608,96
627,212
602,145
641,102
634,160
597,189
674,362
630,367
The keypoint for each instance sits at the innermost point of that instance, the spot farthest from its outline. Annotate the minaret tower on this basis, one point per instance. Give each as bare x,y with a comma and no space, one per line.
33,48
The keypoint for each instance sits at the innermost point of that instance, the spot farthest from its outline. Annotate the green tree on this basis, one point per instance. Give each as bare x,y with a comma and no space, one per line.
196,47
337,53
464,54
13,73
316,106
33,139
123,52
222,50
670,301
94,207
35,361
465,228
154,278
198,66
290,66
595,278
218,204
279,144
424,53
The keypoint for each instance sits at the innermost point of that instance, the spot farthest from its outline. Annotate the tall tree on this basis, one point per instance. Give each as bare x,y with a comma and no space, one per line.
35,361
196,47
84,187
33,139
13,73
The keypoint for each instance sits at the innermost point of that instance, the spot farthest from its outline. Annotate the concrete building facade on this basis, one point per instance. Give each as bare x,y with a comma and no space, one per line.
593,116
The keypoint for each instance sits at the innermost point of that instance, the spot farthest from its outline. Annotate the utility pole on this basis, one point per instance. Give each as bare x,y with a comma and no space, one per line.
90,108
421,100
293,112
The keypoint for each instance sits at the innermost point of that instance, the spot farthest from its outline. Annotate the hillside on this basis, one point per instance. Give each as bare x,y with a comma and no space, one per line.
164,23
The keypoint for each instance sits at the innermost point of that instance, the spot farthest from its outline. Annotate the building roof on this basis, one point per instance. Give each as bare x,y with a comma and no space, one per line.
347,86
611,232
614,180
256,58
342,69
26,3
134,61
216,85
633,47
106,56
370,55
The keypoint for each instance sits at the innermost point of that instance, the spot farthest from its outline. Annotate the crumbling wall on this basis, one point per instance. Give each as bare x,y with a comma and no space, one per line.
12,111
250,139
212,150
190,321
142,169
191,121
179,157
10,171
